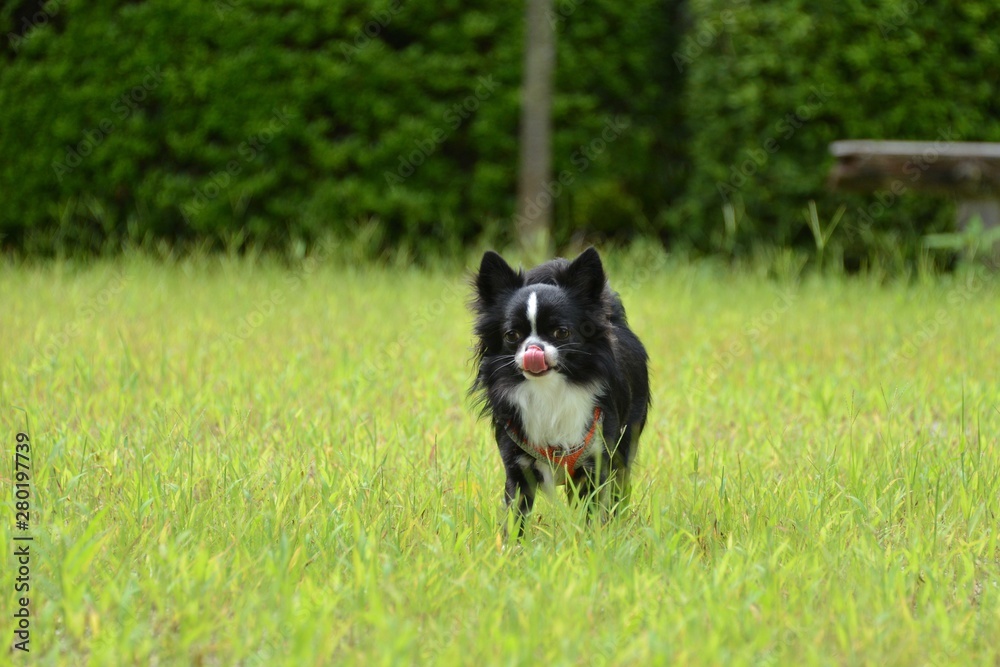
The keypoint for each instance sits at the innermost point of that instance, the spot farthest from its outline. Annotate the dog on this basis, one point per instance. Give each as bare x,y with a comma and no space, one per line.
562,377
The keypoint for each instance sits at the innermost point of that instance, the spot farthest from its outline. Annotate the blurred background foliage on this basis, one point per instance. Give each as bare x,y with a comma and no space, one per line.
701,123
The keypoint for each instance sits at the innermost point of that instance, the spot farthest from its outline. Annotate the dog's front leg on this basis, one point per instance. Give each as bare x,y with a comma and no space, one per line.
519,496
521,484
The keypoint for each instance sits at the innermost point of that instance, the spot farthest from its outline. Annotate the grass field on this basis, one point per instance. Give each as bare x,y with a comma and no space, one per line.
239,463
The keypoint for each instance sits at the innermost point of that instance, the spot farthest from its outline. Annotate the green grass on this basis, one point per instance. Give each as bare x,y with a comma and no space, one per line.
238,463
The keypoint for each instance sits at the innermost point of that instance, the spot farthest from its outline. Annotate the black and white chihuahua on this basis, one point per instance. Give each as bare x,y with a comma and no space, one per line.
562,376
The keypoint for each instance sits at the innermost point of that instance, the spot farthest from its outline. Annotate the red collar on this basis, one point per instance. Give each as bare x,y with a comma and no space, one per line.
564,457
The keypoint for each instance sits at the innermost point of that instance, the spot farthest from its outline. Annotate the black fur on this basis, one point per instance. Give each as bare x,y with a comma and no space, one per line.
600,347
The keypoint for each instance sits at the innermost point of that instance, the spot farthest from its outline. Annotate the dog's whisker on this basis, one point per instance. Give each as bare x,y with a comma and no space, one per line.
504,366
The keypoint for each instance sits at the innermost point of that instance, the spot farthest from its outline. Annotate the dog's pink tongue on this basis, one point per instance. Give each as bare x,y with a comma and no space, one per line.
534,360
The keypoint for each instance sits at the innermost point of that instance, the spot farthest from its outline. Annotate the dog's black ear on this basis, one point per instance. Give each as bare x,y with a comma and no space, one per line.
495,277
585,274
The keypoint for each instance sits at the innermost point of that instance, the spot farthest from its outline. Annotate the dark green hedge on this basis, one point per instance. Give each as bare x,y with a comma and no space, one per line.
778,81
185,119
397,121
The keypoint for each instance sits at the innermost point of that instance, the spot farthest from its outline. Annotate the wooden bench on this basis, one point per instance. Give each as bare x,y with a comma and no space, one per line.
967,170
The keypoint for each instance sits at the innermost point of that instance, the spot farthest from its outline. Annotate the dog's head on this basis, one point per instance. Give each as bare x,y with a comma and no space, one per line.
552,320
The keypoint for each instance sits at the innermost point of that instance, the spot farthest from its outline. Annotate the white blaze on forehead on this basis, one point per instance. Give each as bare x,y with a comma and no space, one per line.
533,312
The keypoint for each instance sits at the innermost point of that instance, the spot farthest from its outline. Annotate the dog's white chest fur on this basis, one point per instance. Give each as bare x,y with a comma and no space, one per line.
554,412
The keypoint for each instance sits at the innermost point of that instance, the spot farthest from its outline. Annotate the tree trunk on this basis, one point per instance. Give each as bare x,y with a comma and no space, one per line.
534,199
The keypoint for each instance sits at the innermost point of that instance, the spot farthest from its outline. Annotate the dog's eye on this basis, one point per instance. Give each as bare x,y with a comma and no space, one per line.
512,336
561,333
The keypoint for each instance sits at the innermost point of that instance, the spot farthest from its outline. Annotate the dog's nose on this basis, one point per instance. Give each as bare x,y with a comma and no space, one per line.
534,360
